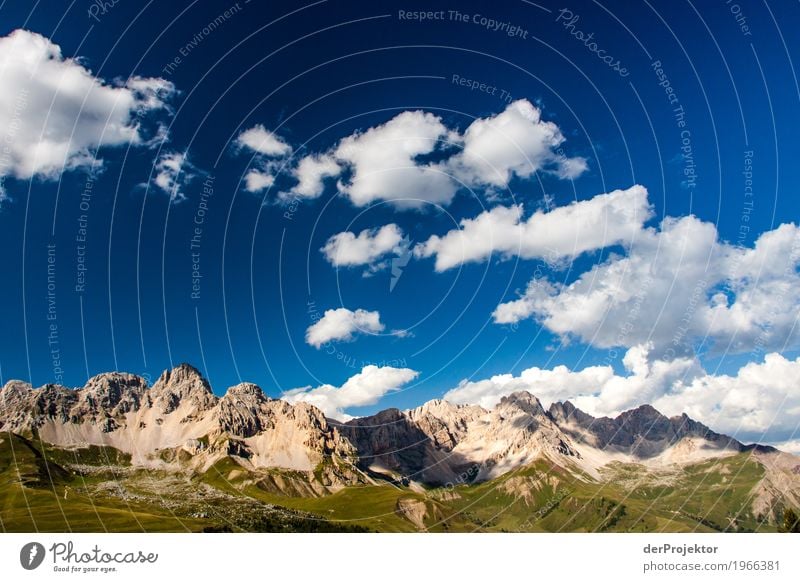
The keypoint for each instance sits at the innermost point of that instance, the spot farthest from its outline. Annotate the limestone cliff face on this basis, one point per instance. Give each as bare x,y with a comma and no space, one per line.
643,432
181,413
443,443
180,421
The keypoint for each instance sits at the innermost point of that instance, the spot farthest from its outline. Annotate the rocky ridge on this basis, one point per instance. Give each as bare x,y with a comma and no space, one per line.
179,419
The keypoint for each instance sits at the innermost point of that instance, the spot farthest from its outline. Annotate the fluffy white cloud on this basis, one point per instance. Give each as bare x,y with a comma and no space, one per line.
265,144
346,249
172,171
384,167
596,389
257,180
677,285
761,402
607,219
385,164
311,173
262,141
513,142
341,325
55,115
755,303
365,388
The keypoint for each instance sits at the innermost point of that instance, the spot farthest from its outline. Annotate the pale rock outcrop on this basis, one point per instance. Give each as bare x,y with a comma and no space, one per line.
180,423
180,412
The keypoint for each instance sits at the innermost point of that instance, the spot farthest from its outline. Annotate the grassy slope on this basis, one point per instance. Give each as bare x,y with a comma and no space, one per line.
372,507
32,498
710,496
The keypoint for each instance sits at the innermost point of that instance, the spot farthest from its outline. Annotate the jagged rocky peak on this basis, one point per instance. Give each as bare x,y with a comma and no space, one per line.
14,391
565,412
114,383
382,418
444,409
647,423
183,384
642,414
307,415
115,392
54,395
15,397
15,385
181,375
522,401
445,423
241,411
246,391
23,407
643,431
436,405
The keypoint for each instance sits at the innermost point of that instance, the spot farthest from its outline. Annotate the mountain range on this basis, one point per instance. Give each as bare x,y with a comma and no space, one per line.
175,456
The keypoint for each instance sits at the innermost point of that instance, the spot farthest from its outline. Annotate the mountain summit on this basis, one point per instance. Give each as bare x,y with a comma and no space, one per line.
179,425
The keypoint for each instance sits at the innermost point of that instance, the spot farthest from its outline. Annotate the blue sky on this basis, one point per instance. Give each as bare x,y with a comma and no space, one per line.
191,80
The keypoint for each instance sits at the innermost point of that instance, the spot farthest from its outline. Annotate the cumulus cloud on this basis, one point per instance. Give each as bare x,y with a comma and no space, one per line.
55,114
365,388
595,389
310,174
267,146
172,171
342,324
605,220
384,167
262,141
369,247
388,162
513,142
677,285
257,180
760,402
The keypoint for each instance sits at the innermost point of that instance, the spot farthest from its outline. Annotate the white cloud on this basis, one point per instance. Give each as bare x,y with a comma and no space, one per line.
761,402
595,389
790,446
513,142
365,388
383,164
761,399
262,141
347,249
567,231
55,115
257,180
548,385
311,173
677,286
341,325
172,171
384,161
756,301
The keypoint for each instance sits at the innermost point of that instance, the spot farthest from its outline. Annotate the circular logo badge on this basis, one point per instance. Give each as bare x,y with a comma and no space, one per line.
31,555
